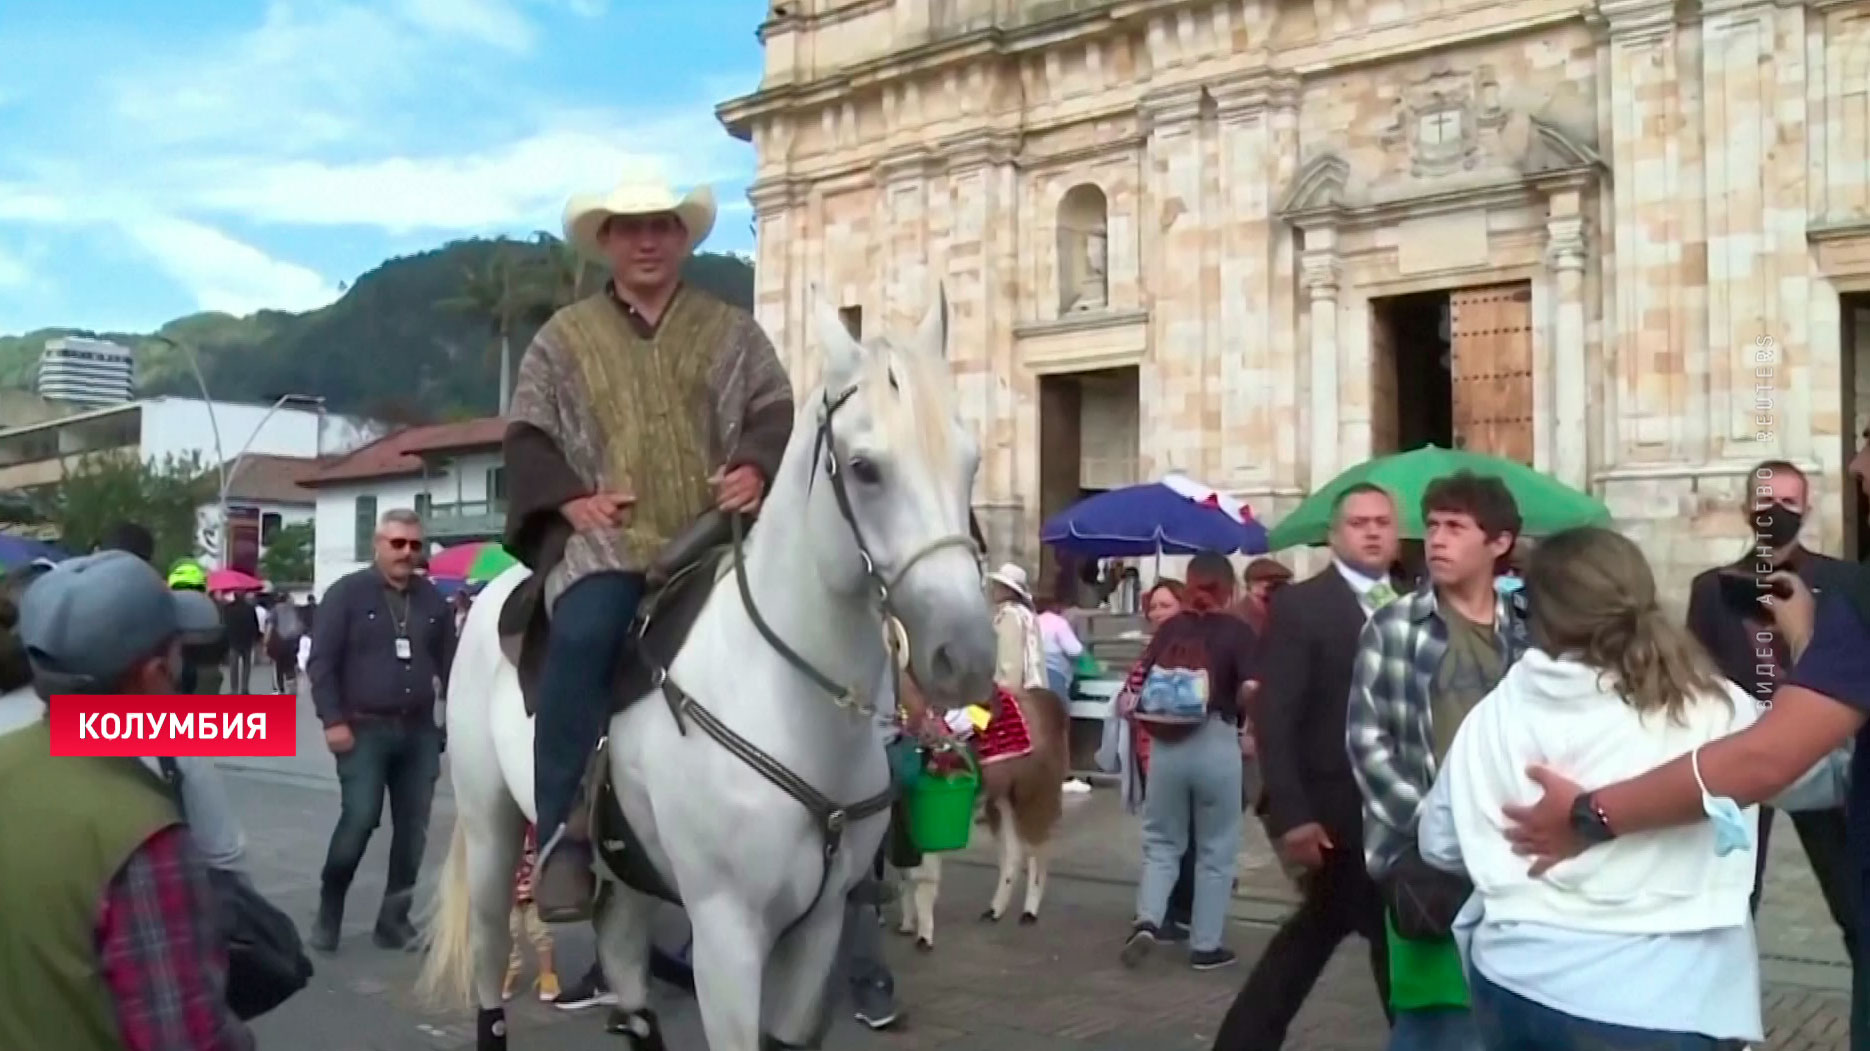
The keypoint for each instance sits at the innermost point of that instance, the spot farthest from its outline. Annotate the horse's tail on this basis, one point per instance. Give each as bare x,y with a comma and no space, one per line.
447,979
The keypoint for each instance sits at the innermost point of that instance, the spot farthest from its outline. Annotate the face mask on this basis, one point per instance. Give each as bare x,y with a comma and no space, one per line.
1777,525
1730,825
1507,585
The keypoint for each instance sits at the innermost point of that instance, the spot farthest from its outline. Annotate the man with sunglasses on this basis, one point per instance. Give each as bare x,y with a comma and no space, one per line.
381,648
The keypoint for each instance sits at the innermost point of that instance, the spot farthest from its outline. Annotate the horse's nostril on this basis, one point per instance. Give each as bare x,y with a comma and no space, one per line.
942,665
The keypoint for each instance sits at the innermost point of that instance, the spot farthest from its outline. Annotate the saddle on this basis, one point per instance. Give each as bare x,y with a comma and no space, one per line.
680,580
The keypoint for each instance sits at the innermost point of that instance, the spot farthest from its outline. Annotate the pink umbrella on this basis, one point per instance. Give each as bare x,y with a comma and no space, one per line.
233,580
453,563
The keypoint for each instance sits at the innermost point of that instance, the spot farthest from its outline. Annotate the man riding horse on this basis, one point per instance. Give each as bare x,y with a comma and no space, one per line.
636,410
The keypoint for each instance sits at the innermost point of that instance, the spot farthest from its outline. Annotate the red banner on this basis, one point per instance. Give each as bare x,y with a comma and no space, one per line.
230,725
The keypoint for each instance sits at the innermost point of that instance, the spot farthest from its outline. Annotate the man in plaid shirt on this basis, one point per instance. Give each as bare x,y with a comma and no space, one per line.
111,941
1425,660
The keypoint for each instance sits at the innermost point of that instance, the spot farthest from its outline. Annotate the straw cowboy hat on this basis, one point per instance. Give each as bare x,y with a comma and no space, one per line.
586,213
1013,579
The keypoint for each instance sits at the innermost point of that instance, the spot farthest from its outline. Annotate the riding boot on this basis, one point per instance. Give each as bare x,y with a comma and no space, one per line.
330,918
564,885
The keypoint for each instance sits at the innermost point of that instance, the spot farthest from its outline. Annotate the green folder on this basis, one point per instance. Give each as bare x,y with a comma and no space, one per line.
1424,973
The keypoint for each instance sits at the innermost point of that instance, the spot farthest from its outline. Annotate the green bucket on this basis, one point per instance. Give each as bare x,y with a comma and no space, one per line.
941,808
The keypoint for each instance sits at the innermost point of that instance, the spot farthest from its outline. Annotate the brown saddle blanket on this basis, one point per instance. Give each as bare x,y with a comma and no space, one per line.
680,582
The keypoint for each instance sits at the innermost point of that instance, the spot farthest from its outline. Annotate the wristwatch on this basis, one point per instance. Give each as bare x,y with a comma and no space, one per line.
1588,820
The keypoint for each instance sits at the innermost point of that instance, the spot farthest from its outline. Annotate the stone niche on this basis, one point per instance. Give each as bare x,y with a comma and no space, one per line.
1083,250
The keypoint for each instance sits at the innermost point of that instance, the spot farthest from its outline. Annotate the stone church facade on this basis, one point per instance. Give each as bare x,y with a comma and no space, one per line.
1262,240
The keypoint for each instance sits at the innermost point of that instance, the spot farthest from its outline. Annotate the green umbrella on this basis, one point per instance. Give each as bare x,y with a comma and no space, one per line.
489,562
1546,505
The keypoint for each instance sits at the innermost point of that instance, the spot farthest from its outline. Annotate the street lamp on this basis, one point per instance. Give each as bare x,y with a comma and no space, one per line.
229,473
214,426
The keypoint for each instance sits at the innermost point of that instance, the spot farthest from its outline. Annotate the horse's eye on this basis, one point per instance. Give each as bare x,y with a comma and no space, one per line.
865,471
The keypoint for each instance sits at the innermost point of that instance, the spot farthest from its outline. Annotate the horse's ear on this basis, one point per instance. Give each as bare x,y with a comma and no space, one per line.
932,337
842,353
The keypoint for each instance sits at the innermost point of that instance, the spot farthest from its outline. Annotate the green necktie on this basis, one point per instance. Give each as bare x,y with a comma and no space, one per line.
1381,595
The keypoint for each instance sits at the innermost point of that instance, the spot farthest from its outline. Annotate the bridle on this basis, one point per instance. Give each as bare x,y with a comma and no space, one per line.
832,817
824,449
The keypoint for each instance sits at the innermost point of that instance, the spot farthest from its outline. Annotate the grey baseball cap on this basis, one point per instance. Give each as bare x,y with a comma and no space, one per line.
88,621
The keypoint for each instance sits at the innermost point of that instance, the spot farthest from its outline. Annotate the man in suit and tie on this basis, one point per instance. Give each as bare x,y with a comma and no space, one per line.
1311,805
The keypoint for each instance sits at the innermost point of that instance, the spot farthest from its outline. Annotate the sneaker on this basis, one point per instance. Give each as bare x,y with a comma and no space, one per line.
589,991
1175,932
1076,787
876,1004
1136,947
548,987
1211,959
511,983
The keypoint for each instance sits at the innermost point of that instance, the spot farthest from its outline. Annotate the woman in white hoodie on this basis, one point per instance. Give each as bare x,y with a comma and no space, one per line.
1645,941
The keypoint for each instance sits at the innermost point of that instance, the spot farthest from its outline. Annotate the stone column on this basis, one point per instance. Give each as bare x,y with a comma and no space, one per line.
1564,256
1244,337
773,306
1648,365
1322,277
903,182
1753,120
980,343
1172,387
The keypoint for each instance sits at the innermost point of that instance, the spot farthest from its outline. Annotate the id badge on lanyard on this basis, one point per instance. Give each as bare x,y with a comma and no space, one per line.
403,650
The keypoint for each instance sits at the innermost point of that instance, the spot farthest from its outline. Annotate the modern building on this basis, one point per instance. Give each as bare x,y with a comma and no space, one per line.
86,371
165,428
264,496
1625,241
451,474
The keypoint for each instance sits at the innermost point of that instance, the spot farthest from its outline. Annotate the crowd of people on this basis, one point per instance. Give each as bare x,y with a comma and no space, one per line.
1421,744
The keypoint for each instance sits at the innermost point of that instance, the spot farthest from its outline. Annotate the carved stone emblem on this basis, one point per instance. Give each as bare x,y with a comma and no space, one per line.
1441,120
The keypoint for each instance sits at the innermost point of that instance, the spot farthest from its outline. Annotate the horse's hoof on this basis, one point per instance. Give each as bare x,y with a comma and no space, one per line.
490,1030
990,916
924,945
1027,919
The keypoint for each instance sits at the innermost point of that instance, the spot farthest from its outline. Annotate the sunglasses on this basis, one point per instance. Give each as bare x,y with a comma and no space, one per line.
398,543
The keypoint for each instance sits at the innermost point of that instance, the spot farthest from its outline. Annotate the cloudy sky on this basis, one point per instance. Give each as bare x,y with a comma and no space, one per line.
166,156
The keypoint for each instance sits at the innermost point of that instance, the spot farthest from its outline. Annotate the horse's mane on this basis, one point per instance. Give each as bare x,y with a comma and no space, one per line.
910,395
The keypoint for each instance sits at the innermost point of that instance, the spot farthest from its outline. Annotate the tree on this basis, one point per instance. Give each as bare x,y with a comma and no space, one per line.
288,559
500,294
103,489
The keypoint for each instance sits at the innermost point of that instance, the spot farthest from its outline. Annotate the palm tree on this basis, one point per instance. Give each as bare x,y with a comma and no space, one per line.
500,294
564,273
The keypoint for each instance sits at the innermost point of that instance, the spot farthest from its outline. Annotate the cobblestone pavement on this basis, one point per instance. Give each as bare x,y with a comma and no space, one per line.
987,987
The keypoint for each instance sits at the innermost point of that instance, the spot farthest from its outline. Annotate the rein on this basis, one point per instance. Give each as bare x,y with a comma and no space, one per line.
832,817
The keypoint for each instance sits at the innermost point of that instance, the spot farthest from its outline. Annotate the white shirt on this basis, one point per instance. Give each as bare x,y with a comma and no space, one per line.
1359,583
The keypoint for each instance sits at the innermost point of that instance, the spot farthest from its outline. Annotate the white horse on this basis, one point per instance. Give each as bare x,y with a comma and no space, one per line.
866,520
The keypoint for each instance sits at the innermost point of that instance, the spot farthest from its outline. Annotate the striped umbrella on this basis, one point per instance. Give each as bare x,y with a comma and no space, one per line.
476,562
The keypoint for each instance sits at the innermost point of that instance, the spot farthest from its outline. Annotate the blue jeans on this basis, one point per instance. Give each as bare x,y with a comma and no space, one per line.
1440,1029
1506,1019
590,624
1195,778
400,758
1058,682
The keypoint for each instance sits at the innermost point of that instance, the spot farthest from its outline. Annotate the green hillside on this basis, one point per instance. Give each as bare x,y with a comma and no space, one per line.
414,339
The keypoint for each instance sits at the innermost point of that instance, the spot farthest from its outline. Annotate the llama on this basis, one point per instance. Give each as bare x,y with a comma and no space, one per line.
1022,797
